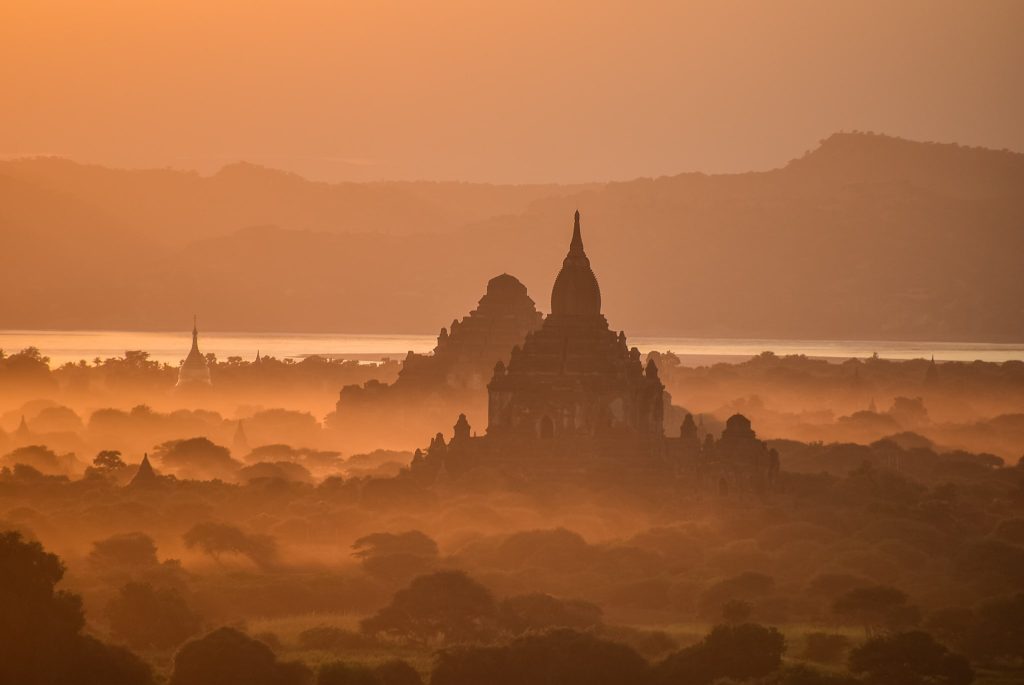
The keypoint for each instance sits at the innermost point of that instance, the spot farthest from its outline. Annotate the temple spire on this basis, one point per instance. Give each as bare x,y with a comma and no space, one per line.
576,246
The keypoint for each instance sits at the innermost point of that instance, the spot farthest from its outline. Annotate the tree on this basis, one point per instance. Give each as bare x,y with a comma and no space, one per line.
43,459
229,657
539,611
825,648
746,586
216,539
879,607
145,617
394,672
413,542
40,627
338,673
197,458
447,605
736,611
108,461
128,551
563,656
332,638
997,633
913,658
396,557
397,672
739,652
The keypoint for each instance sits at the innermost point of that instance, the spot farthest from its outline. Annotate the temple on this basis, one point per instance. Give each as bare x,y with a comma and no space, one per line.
455,375
194,371
574,377
575,397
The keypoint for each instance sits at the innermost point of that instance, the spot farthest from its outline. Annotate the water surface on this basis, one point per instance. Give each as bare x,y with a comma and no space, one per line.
65,346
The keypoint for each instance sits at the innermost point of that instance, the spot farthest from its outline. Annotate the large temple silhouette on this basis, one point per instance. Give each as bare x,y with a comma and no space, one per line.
574,396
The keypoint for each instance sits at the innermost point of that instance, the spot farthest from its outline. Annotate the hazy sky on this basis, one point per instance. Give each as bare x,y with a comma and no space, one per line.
521,91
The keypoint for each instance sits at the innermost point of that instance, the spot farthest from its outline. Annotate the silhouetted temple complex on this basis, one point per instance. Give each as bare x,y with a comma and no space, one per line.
575,396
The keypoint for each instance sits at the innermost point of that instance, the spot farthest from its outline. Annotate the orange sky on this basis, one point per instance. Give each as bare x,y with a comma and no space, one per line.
519,92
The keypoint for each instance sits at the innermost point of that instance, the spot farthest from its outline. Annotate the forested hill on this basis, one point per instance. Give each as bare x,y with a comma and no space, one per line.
866,236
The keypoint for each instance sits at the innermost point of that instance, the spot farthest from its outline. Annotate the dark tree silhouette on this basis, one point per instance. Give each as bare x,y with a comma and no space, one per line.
397,672
229,657
338,673
396,557
145,617
739,652
447,606
40,627
825,648
913,658
736,611
331,638
877,608
125,550
105,464
563,656
197,458
412,542
216,539
539,611
997,633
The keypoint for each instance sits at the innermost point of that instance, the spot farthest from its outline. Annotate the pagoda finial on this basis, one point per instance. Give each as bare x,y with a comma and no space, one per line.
576,246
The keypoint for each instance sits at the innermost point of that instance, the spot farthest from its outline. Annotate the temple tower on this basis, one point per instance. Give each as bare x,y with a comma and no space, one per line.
194,370
574,376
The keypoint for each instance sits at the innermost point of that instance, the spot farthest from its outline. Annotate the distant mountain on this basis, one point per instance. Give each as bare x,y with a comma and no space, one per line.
865,237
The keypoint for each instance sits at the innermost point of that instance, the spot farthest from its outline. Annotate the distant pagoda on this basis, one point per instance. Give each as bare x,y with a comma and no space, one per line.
194,371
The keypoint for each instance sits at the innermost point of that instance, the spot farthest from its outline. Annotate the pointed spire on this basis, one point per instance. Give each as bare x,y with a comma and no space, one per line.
145,475
576,245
